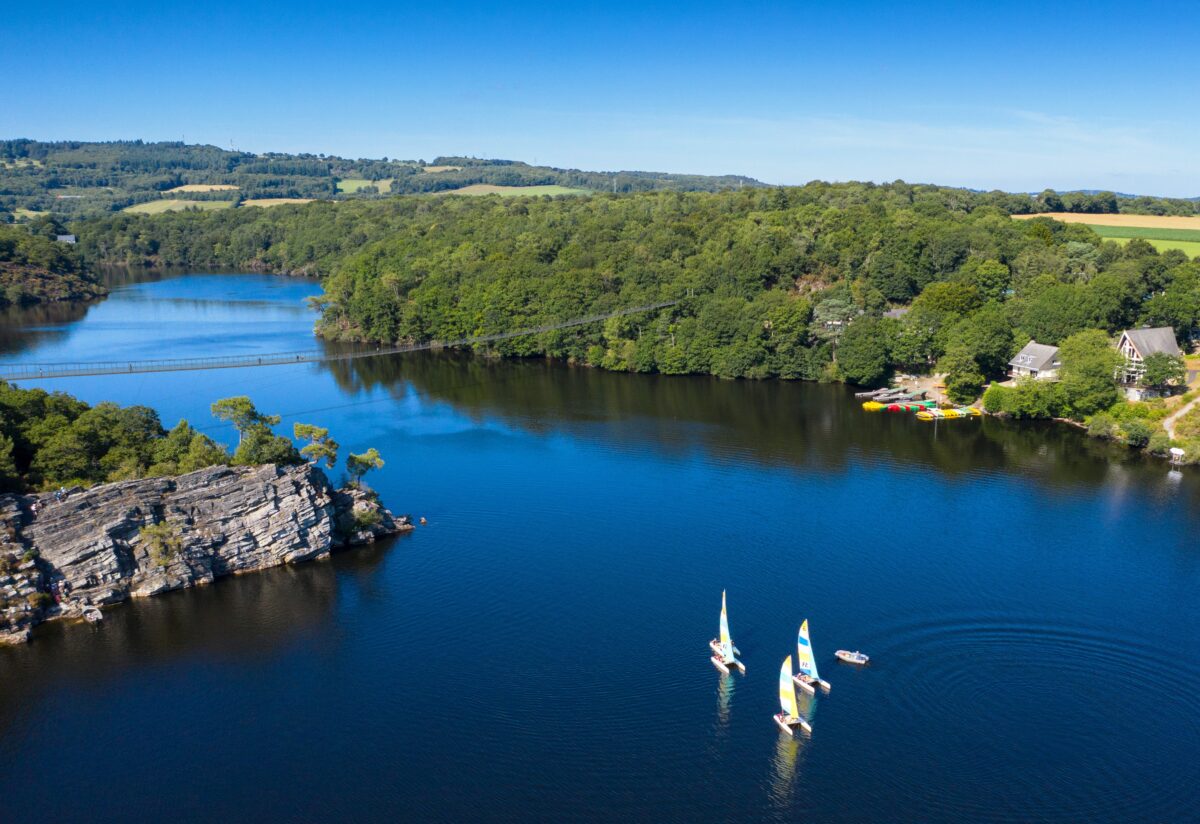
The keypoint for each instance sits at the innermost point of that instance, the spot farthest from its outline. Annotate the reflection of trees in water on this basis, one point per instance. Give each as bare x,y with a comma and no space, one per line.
23,327
775,422
237,617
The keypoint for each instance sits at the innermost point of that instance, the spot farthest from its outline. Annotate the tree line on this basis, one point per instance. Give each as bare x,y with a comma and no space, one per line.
51,439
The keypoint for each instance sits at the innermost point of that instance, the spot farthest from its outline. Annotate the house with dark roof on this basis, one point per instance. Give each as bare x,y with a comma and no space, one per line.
1138,344
1036,360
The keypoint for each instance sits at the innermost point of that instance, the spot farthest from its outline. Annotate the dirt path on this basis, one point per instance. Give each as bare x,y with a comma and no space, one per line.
1169,421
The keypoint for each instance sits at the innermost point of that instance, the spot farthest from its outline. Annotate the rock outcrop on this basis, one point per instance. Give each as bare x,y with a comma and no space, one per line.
138,538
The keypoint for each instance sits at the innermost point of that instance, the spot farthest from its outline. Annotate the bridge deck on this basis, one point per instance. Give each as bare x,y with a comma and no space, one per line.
29,371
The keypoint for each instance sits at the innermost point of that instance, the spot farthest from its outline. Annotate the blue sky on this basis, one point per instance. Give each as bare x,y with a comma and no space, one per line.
1020,97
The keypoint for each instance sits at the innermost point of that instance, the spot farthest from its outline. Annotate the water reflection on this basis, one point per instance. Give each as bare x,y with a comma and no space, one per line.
770,422
239,618
789,752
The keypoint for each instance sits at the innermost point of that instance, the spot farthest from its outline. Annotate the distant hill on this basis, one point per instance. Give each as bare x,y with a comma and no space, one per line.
80,179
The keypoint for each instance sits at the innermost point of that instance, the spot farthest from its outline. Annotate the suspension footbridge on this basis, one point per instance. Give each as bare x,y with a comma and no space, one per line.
42,371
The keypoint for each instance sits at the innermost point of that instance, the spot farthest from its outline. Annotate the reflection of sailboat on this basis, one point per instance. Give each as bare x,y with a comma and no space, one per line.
723,648
806,663
790,717
725,689
788,752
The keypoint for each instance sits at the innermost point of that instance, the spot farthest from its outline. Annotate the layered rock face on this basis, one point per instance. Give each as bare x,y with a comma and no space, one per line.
138,538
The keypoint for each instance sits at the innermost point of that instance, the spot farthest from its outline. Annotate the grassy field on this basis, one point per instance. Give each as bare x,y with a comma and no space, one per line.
1160,231
432,170
350,185
1146,232
28,214
157,207
204,187
1191,248
1147,221
514,191
275,201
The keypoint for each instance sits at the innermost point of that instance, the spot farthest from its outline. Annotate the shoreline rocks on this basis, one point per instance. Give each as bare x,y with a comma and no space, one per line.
133,539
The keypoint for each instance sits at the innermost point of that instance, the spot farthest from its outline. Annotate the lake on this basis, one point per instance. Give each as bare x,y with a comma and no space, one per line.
538,650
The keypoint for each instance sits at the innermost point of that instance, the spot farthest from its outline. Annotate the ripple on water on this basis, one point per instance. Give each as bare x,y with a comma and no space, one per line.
1022,704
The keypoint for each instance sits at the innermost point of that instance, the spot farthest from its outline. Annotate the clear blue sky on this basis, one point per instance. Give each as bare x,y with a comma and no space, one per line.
1066,95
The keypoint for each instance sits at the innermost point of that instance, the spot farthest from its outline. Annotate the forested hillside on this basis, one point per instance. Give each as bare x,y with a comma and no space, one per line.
34,268
75,178
785,282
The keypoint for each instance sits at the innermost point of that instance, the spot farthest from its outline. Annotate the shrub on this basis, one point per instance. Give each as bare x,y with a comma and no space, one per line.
162,541
39,600
1137,433
1101,425
366,518
1159,443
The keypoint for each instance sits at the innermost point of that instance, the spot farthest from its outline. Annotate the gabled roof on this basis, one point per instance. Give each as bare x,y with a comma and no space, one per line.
1149,341
1037,356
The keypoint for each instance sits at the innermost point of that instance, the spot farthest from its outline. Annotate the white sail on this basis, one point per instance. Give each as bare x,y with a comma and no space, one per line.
726,641
787,690
806,664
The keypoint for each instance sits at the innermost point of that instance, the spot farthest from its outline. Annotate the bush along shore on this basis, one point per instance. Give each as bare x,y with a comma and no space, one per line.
160,510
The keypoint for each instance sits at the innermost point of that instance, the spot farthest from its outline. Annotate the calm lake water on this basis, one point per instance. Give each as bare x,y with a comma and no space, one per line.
538,651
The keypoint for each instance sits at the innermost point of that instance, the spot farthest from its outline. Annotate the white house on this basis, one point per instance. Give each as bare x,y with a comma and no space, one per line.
1036,360
1138,344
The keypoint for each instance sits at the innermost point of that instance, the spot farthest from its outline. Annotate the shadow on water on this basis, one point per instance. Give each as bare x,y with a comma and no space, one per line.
775,423
239,618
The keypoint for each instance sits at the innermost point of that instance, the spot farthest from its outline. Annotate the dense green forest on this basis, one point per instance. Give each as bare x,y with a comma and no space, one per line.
76,179
827,281
35,268
48,440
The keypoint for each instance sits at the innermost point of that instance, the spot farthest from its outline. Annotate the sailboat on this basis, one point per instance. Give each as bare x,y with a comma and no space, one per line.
790,717
806,664
723,648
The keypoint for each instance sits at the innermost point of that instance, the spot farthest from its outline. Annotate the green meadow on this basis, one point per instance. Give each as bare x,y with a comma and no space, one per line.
350,185
514,191
1162,239
157,207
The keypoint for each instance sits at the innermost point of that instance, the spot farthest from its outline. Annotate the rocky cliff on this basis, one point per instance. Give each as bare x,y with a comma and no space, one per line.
137,538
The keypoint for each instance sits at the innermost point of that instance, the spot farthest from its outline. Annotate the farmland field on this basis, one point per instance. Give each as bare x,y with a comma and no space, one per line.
155,207
204,187
28,214
350,185
514,191
432,170
1163,232
1147,221
275,201
1191,248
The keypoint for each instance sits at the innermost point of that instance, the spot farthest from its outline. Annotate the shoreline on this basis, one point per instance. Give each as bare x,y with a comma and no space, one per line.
133,539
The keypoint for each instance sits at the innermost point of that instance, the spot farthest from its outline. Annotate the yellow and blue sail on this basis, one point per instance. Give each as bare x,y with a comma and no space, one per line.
787,690
806,663
726,640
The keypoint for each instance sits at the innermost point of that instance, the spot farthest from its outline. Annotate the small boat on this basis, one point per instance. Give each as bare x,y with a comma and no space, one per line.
724,652
959,412
855,657
790,718
806,665
92,615
909,406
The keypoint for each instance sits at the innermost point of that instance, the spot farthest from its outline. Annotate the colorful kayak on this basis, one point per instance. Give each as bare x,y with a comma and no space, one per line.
959,412
909,406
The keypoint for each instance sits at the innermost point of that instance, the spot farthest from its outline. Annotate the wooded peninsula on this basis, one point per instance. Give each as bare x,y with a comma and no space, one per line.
846,282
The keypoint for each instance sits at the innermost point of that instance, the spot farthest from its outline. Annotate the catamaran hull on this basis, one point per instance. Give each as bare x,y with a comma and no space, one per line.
715,646
719,664
804,685
787,724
